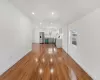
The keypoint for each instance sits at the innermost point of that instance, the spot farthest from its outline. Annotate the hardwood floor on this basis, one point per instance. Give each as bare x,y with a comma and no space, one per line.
46,62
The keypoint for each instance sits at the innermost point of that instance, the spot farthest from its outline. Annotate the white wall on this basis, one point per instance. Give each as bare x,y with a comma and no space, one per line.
65,38
87,53
35,35
15,35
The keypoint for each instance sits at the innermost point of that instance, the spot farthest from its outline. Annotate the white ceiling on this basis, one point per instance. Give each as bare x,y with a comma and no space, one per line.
65,11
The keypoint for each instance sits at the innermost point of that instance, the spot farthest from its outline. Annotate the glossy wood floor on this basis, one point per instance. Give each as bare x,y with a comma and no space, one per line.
46,62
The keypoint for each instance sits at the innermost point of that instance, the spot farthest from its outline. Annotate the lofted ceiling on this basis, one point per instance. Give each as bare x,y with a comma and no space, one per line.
58,12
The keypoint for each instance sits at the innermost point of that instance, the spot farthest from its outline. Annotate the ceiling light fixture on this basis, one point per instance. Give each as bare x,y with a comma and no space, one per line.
40,23
53,13
33,13
51,23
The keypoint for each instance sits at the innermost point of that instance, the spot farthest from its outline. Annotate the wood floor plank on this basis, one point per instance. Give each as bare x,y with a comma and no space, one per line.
46,62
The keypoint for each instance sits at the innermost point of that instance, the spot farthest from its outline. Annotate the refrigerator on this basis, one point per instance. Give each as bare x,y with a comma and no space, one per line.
42,37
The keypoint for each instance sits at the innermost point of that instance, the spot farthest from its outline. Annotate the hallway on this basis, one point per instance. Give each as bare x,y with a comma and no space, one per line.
46,62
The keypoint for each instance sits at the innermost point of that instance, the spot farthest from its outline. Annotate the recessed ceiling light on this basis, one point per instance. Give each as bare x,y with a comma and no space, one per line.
53,13
33,13
40,22
51,23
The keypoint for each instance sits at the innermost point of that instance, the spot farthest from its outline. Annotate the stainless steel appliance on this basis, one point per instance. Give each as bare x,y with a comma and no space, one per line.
42,37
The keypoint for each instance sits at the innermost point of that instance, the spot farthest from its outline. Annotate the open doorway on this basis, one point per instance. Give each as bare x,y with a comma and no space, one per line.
48,36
